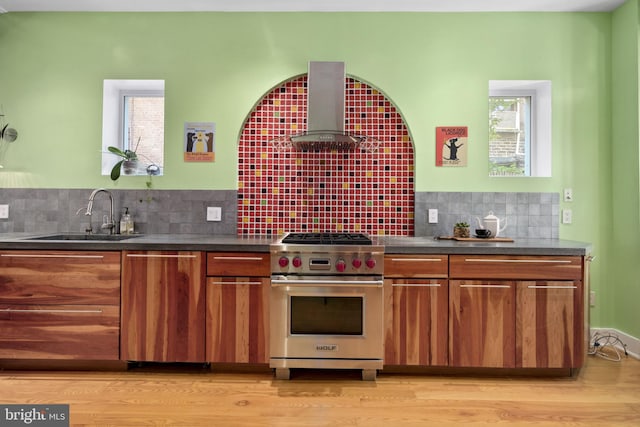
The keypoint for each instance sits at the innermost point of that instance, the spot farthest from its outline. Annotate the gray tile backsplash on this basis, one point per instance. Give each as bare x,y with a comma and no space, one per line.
154,211
534,215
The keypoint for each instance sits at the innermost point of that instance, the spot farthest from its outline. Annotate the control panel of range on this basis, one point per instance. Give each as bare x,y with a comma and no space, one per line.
343,262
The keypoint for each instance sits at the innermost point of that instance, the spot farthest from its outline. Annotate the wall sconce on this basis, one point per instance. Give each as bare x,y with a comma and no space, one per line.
7,135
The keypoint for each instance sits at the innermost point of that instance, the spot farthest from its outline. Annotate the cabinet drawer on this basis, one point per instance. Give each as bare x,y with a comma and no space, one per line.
240,264
515,267
59,277
88,332
416,265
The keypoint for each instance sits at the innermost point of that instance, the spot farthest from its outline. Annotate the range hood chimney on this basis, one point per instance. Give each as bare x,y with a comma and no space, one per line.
326,112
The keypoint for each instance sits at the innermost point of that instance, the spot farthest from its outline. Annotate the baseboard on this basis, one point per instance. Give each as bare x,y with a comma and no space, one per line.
632,343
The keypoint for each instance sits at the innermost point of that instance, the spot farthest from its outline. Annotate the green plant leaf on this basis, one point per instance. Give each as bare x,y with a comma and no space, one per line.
117,151
115,172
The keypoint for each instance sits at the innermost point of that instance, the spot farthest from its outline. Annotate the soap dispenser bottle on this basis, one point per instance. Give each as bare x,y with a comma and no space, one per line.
126,222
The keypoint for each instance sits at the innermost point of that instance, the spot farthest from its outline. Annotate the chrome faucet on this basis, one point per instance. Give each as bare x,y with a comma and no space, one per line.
107,223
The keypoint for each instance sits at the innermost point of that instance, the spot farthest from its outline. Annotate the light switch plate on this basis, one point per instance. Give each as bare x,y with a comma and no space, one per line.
4,211
433,216
214,213
568,195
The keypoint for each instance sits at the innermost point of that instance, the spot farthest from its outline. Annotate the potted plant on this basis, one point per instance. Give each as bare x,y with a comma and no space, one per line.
129,163
461,229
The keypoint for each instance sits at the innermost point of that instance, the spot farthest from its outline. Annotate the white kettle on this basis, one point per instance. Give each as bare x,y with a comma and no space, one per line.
492,223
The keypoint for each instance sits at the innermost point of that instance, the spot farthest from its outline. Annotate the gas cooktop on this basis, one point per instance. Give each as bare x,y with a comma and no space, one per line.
327,239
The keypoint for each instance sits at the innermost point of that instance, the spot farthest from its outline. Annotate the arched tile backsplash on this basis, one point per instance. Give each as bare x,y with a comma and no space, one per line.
356,191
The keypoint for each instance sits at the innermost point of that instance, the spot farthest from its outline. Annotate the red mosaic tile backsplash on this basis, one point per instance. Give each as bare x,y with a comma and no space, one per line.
352,191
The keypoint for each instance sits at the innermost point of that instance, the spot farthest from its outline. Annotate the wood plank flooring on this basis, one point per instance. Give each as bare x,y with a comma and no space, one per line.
604,393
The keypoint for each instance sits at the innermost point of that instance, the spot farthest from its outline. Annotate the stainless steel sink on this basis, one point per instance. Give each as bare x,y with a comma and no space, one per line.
81,237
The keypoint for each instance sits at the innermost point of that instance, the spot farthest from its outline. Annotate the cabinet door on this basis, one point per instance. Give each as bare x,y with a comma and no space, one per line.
482,323
238,319
163,306
549,324
416,322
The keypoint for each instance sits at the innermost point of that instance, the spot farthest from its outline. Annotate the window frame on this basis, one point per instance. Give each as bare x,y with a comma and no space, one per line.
538,159
113,109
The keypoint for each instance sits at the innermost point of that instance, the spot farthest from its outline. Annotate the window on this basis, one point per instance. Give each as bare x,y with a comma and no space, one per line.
133,119
519,128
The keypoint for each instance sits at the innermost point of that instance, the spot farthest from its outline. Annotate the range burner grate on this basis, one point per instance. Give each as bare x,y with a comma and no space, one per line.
327,239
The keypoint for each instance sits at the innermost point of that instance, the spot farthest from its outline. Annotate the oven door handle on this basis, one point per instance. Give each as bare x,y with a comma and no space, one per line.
330,283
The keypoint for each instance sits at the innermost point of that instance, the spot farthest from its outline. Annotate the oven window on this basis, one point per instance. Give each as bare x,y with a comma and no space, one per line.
326,315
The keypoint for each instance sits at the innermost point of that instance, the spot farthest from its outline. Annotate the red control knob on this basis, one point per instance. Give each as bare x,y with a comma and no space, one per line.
297,262
370,262
283,261
357,263
341,266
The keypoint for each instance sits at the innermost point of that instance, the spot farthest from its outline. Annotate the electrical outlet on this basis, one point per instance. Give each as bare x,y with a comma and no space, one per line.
592,298
214,213
433,216
4,211
567,216
568,195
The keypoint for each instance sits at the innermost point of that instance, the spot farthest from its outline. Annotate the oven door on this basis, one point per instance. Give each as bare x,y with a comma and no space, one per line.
315,317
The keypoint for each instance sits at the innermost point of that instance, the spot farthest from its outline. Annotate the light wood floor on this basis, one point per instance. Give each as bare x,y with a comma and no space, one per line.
604,393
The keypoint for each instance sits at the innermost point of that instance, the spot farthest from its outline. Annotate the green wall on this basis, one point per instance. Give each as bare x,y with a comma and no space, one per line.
621,311
434,66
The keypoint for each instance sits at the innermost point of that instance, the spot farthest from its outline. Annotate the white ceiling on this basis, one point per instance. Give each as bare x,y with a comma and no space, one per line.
310,5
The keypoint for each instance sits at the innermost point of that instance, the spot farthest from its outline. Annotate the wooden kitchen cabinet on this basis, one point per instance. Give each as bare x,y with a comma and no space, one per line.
515,267
163,306
550,319
482,323
534,320
59,305
415,310
237,319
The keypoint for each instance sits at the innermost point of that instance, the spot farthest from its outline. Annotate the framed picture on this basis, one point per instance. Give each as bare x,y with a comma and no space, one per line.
199,142
451,146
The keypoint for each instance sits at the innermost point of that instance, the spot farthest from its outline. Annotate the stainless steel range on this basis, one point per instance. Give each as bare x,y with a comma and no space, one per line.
326,303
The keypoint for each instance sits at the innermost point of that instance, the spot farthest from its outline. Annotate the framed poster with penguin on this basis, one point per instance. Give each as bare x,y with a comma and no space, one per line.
451,146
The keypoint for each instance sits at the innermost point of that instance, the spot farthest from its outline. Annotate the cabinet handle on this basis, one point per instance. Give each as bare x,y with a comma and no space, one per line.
417,285
159,256
35,310
537,261
551,287
239,258
329,283
51,256
416,259
236,283
486,286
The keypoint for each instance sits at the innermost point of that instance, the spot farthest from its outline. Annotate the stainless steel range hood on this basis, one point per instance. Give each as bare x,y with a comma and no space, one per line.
326,113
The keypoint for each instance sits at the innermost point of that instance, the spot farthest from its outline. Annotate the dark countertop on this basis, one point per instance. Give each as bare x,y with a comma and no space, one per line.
156,242
233,243
430,245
